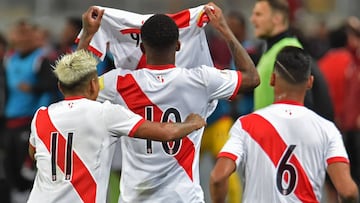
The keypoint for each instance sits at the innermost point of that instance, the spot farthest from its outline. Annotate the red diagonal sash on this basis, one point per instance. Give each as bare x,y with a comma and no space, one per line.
136,100
274,146
82,180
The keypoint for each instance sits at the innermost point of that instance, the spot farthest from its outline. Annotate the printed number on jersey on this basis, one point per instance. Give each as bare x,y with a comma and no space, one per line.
68,163
286,175
171,114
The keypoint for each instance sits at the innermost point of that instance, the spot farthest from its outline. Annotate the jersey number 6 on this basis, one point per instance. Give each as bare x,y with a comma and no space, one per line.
286,172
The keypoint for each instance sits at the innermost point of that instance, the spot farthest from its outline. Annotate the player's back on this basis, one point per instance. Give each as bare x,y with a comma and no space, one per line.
73,151
288,148
169,171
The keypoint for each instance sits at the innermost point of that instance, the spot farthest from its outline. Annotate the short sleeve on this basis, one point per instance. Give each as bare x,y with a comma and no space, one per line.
121,121
33,131
32,134
234,148
222,84
335,151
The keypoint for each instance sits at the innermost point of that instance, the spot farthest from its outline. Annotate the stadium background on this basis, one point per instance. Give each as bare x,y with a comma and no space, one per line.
52,12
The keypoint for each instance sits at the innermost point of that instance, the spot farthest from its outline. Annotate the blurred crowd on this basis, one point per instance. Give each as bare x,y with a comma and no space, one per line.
28,51
27,54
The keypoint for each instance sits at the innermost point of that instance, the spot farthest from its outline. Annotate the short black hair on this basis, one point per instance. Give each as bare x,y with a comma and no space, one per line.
338,37
160,32
293,64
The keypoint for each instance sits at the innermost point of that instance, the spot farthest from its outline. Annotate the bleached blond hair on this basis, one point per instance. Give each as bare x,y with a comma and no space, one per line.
72,68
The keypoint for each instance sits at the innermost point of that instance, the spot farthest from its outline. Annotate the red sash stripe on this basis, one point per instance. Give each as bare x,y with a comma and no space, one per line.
274,146
136,100
82,180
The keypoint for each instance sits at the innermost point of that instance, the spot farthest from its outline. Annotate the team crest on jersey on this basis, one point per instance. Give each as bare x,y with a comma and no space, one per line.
160,78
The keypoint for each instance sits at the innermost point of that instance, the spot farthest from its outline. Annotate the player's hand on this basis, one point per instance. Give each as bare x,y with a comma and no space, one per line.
91,20
217,19
195,119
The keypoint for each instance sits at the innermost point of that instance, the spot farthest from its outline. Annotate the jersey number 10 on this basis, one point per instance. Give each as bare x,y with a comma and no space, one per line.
173,147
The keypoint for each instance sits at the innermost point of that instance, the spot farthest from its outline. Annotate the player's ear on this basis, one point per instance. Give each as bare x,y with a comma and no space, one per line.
178,45
142,48
94,88
272,79
310,82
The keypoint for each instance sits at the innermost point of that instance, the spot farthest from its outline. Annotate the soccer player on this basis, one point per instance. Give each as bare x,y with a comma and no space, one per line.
284,150
73,140
168,171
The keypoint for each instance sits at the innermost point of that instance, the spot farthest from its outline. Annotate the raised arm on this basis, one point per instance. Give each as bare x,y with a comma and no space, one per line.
339,173
243,62
169,131
91,20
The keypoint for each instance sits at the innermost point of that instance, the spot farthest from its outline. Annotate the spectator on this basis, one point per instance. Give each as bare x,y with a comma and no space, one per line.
333,66
68,35
271,21
351,115
29,79
4,187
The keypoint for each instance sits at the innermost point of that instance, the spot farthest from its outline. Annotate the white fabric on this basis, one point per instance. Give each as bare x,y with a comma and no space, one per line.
120,30
96,128
158,176
317,142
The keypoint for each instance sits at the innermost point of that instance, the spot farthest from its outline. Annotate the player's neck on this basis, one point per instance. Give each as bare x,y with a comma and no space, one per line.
77,95
157,58
160,61
289,96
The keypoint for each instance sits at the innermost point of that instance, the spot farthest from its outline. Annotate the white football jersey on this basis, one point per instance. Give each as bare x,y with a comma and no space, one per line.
165,171
120,30
283,151
74,144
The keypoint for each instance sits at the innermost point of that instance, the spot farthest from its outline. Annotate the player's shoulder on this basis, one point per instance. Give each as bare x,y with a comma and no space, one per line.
42,108
111,107
249,119
205,69
116,72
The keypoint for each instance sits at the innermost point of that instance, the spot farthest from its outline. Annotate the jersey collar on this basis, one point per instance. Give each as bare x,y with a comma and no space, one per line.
160,67
74,97
289,102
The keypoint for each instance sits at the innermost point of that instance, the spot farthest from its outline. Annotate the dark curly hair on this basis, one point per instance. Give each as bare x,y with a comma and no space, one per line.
160,32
